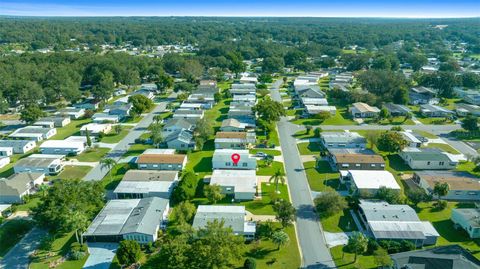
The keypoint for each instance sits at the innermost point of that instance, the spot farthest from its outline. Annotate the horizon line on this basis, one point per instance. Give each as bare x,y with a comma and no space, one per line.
238,16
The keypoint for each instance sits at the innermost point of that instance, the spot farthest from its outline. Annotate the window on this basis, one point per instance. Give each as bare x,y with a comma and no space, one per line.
428,163
155,165
357,165
373,165
472,193
245,164
441,163
345,165
227,164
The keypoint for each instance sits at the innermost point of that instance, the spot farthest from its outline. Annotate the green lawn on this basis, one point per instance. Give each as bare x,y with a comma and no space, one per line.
71,129
72,172
271,152
137,149
345,260
341,118
444,147
395,121
200,162
264,170
304,135
30,203
256,207
116,137
11,232
309,148
60,247
273,137
436,121
92,155
425,134
444,226
340,222
321,178
132,119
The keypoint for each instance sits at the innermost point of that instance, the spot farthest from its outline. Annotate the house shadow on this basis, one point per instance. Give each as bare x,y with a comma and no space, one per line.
204,165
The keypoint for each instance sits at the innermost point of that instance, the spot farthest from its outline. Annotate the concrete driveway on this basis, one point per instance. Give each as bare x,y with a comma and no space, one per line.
100,255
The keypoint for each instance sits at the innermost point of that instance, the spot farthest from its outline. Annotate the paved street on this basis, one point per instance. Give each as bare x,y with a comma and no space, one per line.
17,257
97,173
434,129
315,252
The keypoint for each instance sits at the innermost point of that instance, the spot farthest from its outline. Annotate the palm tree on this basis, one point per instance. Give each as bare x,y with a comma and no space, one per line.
156,134
108,163
278,177
280,238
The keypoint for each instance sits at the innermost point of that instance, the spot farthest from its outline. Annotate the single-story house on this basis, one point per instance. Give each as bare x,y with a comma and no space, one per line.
234,140
362,110
309,91
207,82
223,159
245,99
95,129
104,117
62,147
314,101
238,111
33,133
342,140
48,164
58,121
118,92
232,216
178,124
4,161
188,114
245,79
422,95
431,159
88,104
396,222
473,98
13,188
463,186
19,146
6,151
314,109
444,257
44,124
72,112
465,109
241,184
129,219
366,183
137,184
412,140
191,106
243,89
396,109
428,110
232,125
161,161
206,100
149,94
467,219
346,161
180,140
121,110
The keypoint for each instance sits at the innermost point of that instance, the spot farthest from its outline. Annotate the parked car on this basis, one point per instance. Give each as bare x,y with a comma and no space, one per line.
261,154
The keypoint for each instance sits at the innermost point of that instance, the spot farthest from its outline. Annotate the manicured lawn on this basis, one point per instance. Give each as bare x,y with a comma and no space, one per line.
340,222
72,172
273,137
271,152
292,112
115,138
92,155
345,260
132,119
71,129
444,147
264,170
342,117
304,135
309,148
468,167
396,121
60,247
31,203
426,134
321,178
11,232
137,149
444,226
436,121
200,162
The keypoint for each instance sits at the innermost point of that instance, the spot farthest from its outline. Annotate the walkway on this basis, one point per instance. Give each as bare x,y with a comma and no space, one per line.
100,255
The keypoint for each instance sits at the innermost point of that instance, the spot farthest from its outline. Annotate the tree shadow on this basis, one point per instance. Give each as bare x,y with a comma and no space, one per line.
204,165
306,212
260,253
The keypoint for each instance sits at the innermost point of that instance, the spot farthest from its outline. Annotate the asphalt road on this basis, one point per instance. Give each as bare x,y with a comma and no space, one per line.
434,129
17,257
315,253
97,173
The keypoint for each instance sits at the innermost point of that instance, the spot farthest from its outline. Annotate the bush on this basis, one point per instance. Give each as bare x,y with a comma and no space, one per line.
397,246
372,246
76,255
441,204
250,263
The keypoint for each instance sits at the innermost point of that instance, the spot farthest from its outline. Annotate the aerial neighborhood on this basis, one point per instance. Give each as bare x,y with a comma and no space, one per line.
323,148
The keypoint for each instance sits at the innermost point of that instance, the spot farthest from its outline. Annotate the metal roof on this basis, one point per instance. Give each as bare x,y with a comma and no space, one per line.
232,216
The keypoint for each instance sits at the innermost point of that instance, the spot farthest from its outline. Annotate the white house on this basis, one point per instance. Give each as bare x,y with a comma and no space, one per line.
40,163
4,161
72,112
367,182
240,184
362,110
161,161
13,188
342,140
96,128
104,117
146,183
62,147
223,159
33,133
430,159
6,151
19,146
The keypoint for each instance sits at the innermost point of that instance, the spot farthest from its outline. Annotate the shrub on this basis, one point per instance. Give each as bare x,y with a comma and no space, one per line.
441,204
372,246
250,263
76,255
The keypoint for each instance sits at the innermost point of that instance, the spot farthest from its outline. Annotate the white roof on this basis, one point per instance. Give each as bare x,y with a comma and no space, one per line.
144,187
410,137
373,179
62,144
220,209
314,101
241,180
95,127
314,108
6,148
159,151
76,138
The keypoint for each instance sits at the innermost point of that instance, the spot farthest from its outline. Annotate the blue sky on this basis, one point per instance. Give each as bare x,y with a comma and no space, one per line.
279,8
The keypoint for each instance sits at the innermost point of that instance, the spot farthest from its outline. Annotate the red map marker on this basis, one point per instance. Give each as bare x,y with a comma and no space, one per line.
235,158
